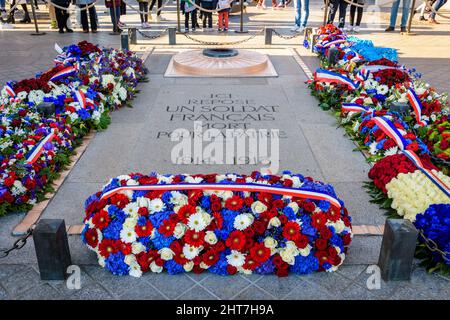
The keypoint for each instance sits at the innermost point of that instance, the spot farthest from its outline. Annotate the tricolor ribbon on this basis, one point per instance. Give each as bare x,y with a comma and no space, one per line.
35,153
430,174
391,131
9,90
417,106
64,72
354,107
333,42
328,76
375,68
81,97
249,187
362,75
98,59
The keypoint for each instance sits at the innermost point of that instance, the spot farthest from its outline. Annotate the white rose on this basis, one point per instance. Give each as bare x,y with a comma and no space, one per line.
179,230
258,207
270,242
275,222
210,237
166,254
155,268
188,266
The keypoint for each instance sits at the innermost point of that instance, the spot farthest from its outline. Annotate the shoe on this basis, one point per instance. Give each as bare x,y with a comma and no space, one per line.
348,28
389,29
225,30
94,31
280,5
193,29
403,29
85,31
6,26
160,18
61,31
26,19
186,30
432,21
70,30
258,6
422,18
263,6
121,25
300,30
356,29
295,28
145,25
210,29
219,30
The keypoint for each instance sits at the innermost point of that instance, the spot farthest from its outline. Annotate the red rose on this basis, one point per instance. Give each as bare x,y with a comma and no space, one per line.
321,244
302,241
231,269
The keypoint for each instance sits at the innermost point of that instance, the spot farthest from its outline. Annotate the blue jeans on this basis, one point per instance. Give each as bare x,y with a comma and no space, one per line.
405,12
111,12
301,12
437,5
2,4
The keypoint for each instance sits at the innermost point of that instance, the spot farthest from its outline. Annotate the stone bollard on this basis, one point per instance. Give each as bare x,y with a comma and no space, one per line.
52,249
132,35
124,40
268,36
397,249
172,36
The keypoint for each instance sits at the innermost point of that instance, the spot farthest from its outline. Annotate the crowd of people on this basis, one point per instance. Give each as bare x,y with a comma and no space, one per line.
194,10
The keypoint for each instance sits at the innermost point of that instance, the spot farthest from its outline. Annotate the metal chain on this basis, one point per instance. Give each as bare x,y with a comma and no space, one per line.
287,37
146,12
18,244
430,244
217,43
73,8
150,36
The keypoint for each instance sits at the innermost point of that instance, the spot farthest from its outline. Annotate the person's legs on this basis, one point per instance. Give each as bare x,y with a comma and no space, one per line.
84,18
394,12
93,18
405,12
159,7
436,6
342,13
115,17
186,20
194,19
298,13
221,17
305,12
26,16
333,7
141,8
352,13
210,22
359,17
226,19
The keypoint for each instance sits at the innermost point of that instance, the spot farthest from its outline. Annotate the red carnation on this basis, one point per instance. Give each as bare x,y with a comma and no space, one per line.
193,238
260,252
250,263
145,230
236,240
101,219
91,237
234,203
231,269
185,212
210,257
321,244
302,241
318,220
166,228
291,230
107,247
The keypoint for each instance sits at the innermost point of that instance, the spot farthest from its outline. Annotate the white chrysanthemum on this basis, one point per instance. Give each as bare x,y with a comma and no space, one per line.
128,235
196,222
242,221
391,151
373,148
235,258
383,89
191,252
131,209
156,205
130,222
190,179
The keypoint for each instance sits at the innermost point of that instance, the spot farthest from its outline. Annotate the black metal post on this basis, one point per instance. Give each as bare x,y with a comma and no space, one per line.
268,36
241,27
37,32
397,249
52,249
